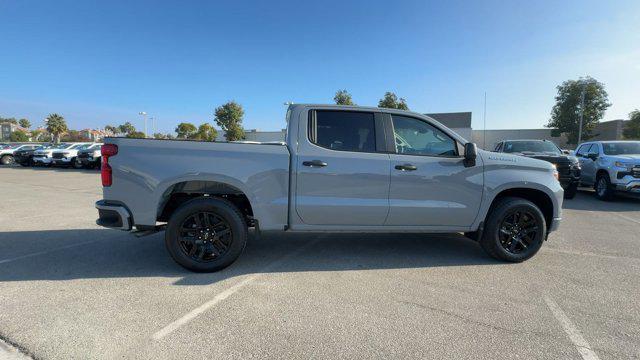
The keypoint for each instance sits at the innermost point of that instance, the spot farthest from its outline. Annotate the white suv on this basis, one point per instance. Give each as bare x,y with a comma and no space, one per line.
69,155
610,166
45,156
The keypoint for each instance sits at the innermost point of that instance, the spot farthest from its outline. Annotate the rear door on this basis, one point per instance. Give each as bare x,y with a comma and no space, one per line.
342,170
430,185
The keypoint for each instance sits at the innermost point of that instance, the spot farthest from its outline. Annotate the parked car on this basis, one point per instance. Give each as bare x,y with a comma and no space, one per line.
610,167
7,153
90,157
343,168
568,166
44,156
68,156
24,156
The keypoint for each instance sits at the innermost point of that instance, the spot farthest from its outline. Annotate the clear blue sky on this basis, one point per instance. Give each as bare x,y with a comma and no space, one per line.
101,62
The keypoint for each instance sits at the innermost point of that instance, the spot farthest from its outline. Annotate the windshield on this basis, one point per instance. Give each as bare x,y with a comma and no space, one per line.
621,148
78,146
531,146
60,146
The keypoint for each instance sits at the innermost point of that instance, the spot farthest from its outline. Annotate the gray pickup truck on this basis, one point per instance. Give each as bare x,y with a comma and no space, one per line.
341,168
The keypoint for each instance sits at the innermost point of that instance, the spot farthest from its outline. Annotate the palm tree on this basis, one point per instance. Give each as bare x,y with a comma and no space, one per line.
56,126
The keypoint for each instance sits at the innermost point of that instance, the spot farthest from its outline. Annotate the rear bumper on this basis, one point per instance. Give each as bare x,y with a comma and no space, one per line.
113,216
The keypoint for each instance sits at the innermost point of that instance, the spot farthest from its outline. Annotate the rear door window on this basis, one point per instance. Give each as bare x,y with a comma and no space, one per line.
343,130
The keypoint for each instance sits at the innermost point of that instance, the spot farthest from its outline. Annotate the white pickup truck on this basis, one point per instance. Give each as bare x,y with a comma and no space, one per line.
341,168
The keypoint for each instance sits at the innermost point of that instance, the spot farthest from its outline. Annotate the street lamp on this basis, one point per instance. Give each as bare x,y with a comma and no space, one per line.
153,125
582,93
144,115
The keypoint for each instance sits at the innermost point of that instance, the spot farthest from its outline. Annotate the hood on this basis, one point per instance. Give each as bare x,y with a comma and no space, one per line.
626,158
516,161
43,151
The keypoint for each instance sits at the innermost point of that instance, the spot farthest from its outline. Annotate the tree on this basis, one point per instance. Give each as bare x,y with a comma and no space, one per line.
19,136
56,126
159,136
632,129
565,115
10,120
343,97
229,118
186,130
126,128
136,134
38,135
206,132
25,123
391,101
111,128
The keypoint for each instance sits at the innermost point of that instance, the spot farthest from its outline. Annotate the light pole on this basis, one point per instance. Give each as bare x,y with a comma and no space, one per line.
581,112
153,125
144,115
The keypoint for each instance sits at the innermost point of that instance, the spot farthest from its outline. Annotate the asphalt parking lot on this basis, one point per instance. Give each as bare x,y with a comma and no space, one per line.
69,289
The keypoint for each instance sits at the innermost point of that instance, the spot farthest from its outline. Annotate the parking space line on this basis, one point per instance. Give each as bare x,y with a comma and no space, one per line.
628,218
4,261
574,334
226,293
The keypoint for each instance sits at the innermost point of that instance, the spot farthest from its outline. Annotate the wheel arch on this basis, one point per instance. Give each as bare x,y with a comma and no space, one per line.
179,192
540,198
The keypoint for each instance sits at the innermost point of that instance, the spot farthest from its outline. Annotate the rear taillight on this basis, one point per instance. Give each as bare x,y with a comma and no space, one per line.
106,173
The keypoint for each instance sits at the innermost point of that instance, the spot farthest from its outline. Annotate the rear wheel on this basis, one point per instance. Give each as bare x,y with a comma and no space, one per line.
514,231
6,160
206,234
604,191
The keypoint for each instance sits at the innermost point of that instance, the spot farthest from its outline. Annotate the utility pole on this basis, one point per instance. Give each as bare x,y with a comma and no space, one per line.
581,112
144,115
153,125
484,119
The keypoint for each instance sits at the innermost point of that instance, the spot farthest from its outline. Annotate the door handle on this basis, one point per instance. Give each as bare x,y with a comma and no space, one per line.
314,163
406,167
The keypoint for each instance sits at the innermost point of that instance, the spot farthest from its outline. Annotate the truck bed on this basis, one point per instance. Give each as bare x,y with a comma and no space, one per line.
145,172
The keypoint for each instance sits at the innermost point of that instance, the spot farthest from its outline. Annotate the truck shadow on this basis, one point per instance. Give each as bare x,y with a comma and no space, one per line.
101,253
586,200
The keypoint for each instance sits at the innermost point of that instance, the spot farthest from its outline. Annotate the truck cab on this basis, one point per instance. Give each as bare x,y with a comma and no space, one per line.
341,168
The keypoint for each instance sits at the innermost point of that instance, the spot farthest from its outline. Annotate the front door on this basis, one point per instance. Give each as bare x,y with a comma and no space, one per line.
587,164
342,179
430,185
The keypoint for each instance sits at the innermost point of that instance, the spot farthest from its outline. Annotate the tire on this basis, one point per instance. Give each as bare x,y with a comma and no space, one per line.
571,190
76,164
6,160
203,248
497,238
604,190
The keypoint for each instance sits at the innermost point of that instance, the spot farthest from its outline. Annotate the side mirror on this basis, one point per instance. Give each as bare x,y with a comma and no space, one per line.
566,152
470,154
593,157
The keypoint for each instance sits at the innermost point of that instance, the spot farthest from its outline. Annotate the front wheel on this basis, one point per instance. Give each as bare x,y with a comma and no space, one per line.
206,234
514,230
75,163
6,160
571,190
603,187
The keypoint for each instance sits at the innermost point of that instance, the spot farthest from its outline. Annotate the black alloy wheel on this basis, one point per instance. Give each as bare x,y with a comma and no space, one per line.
205,236
514,230
518,230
